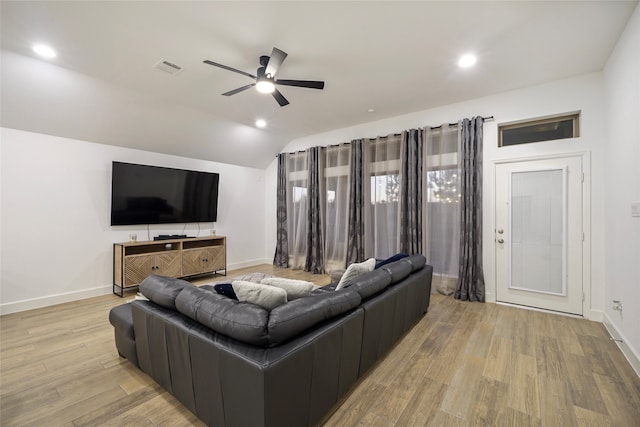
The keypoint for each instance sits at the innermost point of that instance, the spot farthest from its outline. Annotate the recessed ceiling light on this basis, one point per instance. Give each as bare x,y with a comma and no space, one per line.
260,123
370,110
44,51
466,61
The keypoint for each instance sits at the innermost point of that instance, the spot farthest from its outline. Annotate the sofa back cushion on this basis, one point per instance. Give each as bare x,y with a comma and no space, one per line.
417,261
163,290
370,283
398,270
290,319
241,321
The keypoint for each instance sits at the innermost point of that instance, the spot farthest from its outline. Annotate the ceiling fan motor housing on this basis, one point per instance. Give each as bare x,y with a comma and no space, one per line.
265,81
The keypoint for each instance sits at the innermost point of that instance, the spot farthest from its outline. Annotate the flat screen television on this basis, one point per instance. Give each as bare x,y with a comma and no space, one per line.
143,194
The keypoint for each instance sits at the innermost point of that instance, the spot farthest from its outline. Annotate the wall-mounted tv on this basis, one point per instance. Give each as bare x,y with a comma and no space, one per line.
143,194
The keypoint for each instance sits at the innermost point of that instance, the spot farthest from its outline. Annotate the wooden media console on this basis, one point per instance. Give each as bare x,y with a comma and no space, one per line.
134,261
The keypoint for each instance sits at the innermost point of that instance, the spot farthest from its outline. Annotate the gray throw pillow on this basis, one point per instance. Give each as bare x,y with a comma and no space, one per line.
294,288
268,297
354,270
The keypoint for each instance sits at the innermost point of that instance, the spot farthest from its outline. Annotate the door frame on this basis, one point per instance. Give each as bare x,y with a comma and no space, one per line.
587,311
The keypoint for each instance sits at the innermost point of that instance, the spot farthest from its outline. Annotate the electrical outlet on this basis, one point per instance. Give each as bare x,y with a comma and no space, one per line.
617,305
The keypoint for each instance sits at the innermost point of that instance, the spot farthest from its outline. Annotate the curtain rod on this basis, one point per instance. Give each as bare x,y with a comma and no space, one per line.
486,119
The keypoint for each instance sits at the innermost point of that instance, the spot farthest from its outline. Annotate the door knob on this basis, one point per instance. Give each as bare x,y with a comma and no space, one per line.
500,240
500,231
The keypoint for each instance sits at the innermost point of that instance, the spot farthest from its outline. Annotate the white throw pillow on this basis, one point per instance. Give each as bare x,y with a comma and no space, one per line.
354,270
295,288
268,297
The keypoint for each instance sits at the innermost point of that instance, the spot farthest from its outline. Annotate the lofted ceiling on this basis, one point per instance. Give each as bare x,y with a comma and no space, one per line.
392,57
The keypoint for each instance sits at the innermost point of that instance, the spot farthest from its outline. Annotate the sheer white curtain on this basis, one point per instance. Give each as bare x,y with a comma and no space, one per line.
382,169
441,214
336,189
297,205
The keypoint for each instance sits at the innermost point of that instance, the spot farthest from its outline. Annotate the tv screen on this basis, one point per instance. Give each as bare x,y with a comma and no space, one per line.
143,194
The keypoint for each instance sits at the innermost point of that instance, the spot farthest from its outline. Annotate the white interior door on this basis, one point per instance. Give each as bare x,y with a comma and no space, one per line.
538,235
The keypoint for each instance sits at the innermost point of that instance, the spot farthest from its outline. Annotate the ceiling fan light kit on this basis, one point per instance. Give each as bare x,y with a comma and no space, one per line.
265,81
265,86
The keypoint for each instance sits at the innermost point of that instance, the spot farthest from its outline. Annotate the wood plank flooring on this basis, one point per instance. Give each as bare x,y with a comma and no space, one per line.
463,364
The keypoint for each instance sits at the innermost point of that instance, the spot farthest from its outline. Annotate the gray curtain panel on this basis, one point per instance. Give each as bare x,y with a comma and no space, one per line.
410,219
281,257
470,277
355,237
314,262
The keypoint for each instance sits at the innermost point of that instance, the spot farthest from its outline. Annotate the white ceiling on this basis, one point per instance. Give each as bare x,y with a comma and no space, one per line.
393,57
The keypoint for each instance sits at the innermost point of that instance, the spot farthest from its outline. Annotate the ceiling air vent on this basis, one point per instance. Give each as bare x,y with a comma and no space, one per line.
167,67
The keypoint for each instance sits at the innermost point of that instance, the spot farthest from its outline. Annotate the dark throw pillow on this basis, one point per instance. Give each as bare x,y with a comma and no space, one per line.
393,258
226,289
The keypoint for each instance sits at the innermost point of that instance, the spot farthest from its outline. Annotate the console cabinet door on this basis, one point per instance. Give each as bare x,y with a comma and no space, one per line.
168,264
139,267
215,259
203,260
192,260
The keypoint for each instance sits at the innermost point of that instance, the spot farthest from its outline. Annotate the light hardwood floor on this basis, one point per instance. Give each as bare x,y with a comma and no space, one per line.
463,364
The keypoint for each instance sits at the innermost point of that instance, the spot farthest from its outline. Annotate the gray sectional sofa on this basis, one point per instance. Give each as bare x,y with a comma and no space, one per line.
236,364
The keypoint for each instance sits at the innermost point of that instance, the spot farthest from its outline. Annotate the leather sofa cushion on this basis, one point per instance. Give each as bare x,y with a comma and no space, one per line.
417,261
398,270
163,290
290,319
370,283
241,321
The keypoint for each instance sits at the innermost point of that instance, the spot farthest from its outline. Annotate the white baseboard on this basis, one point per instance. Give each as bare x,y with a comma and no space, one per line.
250,263
30,304
595,315
541,310
628,351
46,301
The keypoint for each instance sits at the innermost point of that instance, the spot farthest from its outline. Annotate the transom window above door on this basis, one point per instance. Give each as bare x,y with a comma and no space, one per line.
539,129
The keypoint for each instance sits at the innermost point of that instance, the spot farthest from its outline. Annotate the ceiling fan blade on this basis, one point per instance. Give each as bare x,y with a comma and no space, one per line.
281,99
240,89
276,59
310,84
215,64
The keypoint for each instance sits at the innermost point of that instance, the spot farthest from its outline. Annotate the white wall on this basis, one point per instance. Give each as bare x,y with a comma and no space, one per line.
583,93
622,183
56,238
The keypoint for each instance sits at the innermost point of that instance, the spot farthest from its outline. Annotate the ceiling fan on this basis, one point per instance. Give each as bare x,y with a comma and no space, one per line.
265,78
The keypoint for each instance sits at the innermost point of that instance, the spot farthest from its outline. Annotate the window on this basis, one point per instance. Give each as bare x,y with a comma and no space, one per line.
299,193
442,186
297,208
336,221
382,166
442,207
538,130
385,188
